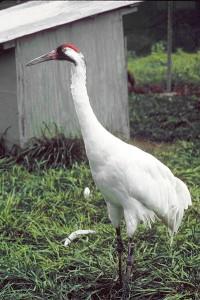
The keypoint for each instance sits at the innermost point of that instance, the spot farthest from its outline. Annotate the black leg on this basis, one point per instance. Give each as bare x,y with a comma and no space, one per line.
126,290
129,259
120,249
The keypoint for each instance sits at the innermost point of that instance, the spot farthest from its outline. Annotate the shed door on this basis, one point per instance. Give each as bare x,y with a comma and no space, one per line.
8,97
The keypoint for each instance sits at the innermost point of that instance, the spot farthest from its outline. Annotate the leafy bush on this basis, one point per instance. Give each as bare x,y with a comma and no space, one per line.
54,152
152,69
164,118
52,149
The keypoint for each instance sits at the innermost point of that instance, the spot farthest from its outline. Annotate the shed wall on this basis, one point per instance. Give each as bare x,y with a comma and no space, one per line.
8,97
44,90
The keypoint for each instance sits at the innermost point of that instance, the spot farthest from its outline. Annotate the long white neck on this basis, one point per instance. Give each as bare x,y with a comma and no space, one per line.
91,129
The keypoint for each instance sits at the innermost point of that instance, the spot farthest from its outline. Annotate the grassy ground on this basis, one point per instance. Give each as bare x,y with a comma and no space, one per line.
39,209
152,69
163,118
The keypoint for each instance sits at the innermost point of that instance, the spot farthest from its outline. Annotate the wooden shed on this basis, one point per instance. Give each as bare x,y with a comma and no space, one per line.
32,97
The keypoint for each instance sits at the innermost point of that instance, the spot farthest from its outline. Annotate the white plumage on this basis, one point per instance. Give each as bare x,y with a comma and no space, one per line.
134,183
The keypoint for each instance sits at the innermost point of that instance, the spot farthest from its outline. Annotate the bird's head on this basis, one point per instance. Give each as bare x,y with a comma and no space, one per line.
68,52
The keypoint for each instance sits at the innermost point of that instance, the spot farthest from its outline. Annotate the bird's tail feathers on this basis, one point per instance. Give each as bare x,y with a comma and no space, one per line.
176,212
183,193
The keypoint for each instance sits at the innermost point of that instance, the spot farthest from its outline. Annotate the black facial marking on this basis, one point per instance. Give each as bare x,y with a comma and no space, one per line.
60,54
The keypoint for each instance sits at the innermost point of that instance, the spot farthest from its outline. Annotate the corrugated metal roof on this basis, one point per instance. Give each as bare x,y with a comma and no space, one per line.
35,16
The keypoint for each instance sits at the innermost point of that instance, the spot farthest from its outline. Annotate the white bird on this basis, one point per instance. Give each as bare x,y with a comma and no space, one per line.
134,184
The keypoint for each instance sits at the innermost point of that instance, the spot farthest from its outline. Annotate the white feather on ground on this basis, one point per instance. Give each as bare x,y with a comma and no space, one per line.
86,193
74,235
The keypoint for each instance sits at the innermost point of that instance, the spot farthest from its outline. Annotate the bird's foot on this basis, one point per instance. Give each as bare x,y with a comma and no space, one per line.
126,289
126,284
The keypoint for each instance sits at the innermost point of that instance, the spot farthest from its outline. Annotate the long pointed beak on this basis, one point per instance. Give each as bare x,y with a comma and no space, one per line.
45,57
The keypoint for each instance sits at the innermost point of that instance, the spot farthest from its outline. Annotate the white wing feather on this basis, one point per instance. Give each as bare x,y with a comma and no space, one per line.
142,186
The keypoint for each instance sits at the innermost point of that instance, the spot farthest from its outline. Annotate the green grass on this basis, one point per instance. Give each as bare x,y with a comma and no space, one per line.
164,119
152,69
39,209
